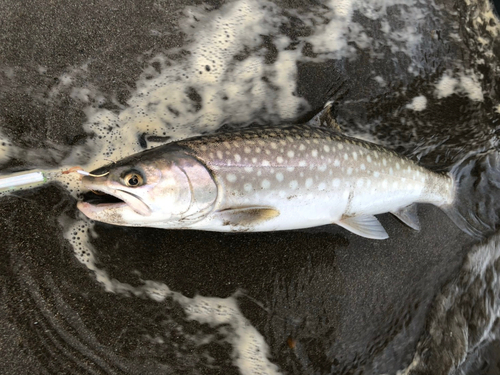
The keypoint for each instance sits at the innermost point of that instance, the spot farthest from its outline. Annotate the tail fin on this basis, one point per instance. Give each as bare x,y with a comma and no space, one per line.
476,205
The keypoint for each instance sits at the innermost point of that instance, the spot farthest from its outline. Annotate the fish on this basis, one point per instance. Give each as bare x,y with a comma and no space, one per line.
265,179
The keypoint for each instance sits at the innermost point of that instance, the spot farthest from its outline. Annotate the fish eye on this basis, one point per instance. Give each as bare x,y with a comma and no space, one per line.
133,179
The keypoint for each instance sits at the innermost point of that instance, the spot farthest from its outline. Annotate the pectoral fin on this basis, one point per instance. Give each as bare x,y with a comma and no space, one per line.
409,216
366,226
247,216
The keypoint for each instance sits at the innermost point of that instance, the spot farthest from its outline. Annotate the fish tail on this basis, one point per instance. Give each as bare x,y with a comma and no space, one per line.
475,207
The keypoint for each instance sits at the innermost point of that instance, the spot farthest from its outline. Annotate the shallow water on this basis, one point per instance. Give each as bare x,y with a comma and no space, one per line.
104,81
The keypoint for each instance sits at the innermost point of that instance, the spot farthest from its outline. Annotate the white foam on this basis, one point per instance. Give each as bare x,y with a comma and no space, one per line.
470,85
250,351
467,83
446,86
330,38
418,103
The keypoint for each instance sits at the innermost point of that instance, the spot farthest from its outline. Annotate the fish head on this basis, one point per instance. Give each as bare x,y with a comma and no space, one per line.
153,188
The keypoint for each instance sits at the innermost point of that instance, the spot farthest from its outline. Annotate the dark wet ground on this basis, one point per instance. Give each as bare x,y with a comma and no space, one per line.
333,302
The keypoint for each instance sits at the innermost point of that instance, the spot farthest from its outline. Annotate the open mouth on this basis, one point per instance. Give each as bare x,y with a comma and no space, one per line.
104,198
96,197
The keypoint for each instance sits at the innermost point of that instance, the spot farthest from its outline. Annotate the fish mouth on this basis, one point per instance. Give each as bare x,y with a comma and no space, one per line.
100,199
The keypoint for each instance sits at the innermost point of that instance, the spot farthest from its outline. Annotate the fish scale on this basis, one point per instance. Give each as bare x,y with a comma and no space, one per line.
270,178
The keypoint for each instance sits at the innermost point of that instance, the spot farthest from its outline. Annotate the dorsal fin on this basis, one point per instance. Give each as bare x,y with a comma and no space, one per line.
327,118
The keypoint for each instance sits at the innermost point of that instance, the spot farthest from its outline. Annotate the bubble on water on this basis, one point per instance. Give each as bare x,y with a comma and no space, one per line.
78,234
418,103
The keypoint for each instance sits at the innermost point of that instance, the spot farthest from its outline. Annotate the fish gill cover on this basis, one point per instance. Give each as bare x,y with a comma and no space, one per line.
418,77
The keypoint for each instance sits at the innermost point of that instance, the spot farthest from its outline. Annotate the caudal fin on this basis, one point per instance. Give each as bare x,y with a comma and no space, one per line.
476,206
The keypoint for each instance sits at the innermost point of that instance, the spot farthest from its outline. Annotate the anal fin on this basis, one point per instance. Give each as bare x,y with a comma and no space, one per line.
409,216
247,216
365,226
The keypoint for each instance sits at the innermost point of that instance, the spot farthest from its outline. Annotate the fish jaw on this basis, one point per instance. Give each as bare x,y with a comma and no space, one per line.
117,213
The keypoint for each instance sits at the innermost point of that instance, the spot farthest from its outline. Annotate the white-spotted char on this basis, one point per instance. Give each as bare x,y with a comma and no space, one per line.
266,179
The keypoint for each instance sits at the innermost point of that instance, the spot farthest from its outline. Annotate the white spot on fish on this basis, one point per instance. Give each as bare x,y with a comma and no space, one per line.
279,159
290,169
265,184
290,154
302,163
237,158
322,168
247,150
355,156
258,150
363,167
336,182
231,177
321,186
369,159
279,176
309,183
274,145
336,163
349,170
314,153
340,146
326,148
248,169
254,160
376,174
397,166
346,156
219,154
302,147
247,187
265,163
384,162
391,171
294,184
